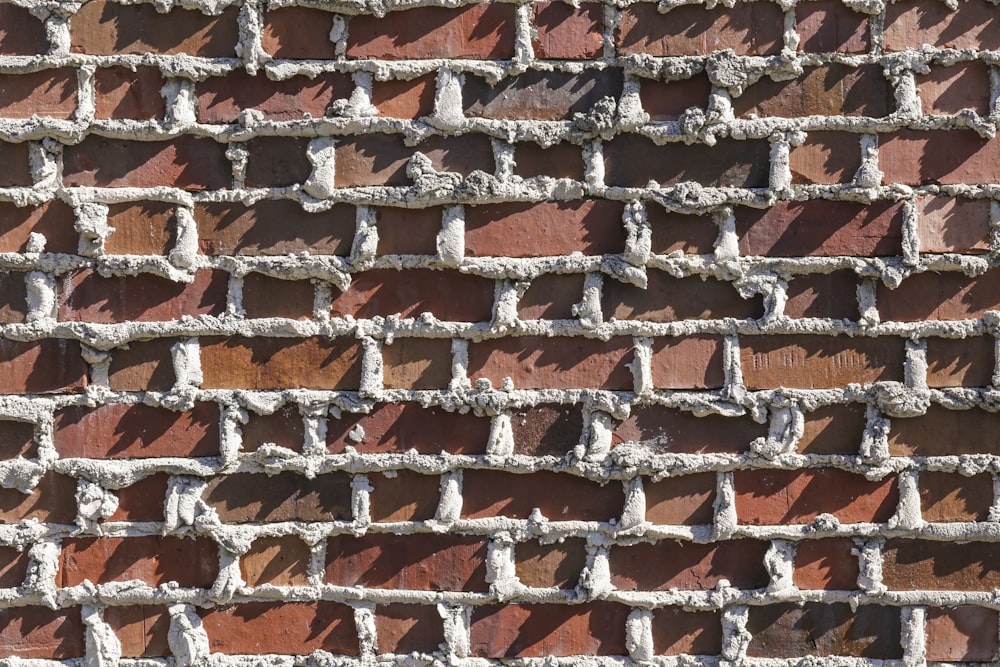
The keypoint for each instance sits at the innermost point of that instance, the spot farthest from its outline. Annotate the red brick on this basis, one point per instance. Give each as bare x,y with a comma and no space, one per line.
688,566
823,629
940,296
381,159
21,371
959,156
749,28
826,157
298,32
558,161
273,227
15,168
86,296
953,224
187,162
541,630
17,439
408,231
482,31
775,497
830,26
124,93
448,295
280,363
961,634
417,363
566,32
557,565
405,496
279,561
108,28
535,362
40,632
960,363
13,297
826,90
265,296
411,99
559,497
679,232
950,89
537,95
551,296
398,427
831,295
141,629
910,24
21,34
143,366
54,220
667,100
221,99
821,228
50,92
53,500
685,500
152,559
13,567
410,562
944,432
826,565
909,565
547,429
290,497
120,430
669,299
408,628
142,500
141,228
284,427
296,628
593,227
678,632
631,160
819,362
688,362
948,496
277,162
833,429
671,430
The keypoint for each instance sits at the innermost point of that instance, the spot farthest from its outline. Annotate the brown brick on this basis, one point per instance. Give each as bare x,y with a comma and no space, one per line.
559,497
17,439
53,500
667,100
749,28
298,32
273,227
381,159
284,427
417,363
940,296
831,295
826,565
593,227
141,629
819,362
948,496
824,629
54,220
277,162
910,24
776,497
152,559
141,228
950,89
108,28
295,628
280,363
448,295
290,497
669,299
40,632
563,160
541,630
563,31
962,634
49,92
86,296
187,162
279,561
547,429
557,565
909,565
826,90
953,224
551,297
535,362
672,430
943,432
408,628
826,157
13,297
408,231
21,34
22,372
14,168
960,363
265,296
688,362
142,500
829,26
833,429
400,98
538,95
398,427
688,566
947,157
631,160
123,93
679,232
685,500
13,567
221,99
678,632
404,496
143,366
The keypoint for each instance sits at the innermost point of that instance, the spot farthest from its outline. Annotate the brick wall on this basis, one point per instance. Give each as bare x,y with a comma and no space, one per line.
472,331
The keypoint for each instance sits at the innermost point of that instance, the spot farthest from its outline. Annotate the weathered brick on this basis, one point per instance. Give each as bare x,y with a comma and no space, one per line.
910,24
534,362
278,561
298,33
825,90
678,232
222,99
827,26
831,295
143,366
909,565
399,98
53,220
124,93
776,497
961,634
280,363
551,297
48,92
152,560
950,89
557,565
559,497
408,562
13,297
86,296
17,439
404,495
283,427
141,629
40,632
688,362
273,227
960,362
593,227
291,628
109,28
52,500
819,362
564,31
21,34
826,565
22,370
631,160
407,628
939,296
943,432
277,162
833,429
826,157
13,567
688,565
381,159
953,224
540,95
417,363
141,228
187,162
563,160
824,629
448,295
677,632
685,500
749,28
948,496
539,630
407,231
14,168
547,429
398,427
668,299
265,296
290,497
142,500
483,31
947,157
672,430
667,100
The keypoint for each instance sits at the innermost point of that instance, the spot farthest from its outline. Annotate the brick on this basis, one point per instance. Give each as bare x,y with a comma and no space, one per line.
417,363
547,429
961,634
821,228
381,159
152,560
53,500
400,98
542,630
143,366
265,296
408,628
831,295
187,162
909,565
826,157
592,227
833,429
775,497
566,32
398,427
40,632
559,497
280,363
290,497
53,219
940,296
749,28
123,93
563,160
13,297
943,432
277,162
278,561
120,430
688,362
298,33
21,34
953,224
669,299
141,629
49,93
17,439
557,565
829,26
551,296
819,362
666,429
631,160
404,496
959,156
142,500
667,100
15,168
297,628
950,89
824,629
535,362
86,296
538,95
408,231
960,363
826,565
688,566
686,500
482,31
108,28
678,632
141,228
221,99
448,295
284,428
13,567
910,24
948,496
21,371
679,232
237,229
826,90
409,562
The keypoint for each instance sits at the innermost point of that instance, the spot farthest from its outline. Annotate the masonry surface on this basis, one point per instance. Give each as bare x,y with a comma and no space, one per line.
355,332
